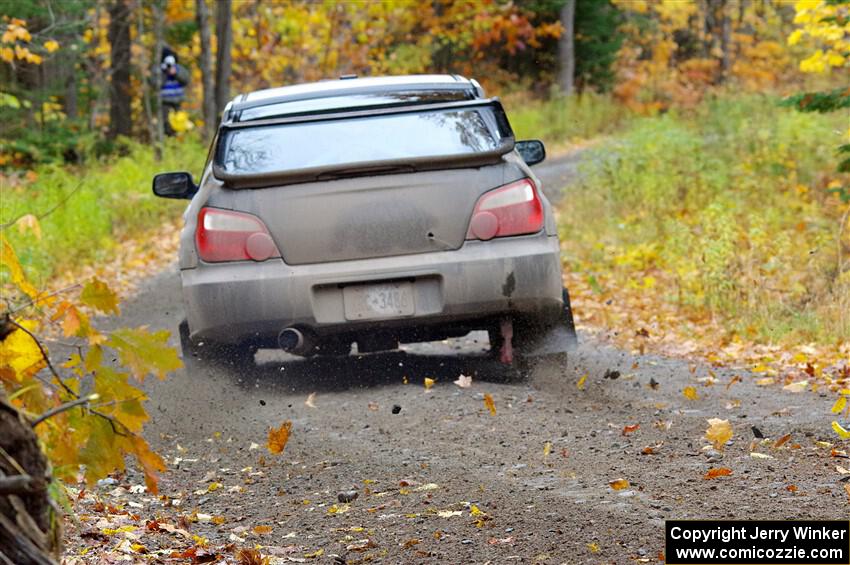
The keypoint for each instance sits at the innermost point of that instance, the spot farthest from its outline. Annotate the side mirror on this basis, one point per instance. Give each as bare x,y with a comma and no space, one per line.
174,185
532,151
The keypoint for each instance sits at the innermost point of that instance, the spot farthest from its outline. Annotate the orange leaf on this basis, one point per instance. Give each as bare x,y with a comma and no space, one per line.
261,530
782,441
631,429
278,437
490,404
717,472
71,324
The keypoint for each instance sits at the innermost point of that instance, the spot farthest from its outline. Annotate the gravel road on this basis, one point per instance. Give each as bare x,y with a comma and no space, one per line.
441,480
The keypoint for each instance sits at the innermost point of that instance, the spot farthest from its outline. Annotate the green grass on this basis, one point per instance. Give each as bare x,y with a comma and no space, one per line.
562,120
727,208
111,201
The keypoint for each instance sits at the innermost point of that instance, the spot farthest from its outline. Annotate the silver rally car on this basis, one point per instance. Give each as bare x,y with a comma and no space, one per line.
379,211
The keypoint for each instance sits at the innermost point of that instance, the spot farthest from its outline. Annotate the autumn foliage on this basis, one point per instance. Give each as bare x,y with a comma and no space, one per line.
88,410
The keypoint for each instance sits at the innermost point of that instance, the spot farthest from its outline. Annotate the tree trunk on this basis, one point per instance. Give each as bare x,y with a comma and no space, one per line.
725,40
158,27
566,48
29,532
120,119
202,15
224,35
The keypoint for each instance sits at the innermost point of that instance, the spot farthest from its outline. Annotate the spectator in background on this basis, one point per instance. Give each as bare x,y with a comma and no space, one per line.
173,87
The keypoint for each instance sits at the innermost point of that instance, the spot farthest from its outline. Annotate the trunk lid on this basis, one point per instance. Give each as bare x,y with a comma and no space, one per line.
369,216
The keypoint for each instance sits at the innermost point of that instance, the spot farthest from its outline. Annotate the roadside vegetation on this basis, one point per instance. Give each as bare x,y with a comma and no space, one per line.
89,211
724,212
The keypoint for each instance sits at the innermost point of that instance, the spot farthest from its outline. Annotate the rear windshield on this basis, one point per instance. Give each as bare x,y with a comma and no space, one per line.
338,142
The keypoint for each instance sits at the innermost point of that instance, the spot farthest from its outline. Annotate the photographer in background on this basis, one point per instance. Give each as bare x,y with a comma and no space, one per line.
173,89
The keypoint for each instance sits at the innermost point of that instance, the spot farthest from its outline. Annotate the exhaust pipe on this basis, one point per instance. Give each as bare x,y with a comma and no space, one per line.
293,340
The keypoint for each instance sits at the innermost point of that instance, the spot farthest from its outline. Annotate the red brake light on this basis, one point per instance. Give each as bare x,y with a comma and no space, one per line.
223,235
513,209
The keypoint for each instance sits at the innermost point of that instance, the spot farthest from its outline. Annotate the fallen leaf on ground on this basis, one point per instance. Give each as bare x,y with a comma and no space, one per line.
500,541
593,547
782,441
311,398
581,381
547,449
847,489
449,513
840,403
791,488
717,472
618,484
735,379
690,393
766,381
262,529
490,404
630,429
410,543
429,382
463,381
842,470
756,455
278,437
798,386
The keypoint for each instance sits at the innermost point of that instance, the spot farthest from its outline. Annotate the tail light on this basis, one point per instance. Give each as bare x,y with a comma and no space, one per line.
513,209
223,235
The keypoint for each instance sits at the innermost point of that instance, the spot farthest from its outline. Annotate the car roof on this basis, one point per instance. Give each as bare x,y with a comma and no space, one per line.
345,86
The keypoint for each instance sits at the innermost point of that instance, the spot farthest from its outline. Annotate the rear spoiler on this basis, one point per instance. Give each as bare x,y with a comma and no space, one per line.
310,174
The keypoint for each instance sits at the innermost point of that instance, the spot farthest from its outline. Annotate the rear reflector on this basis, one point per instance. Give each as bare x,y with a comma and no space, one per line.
513,209
223,235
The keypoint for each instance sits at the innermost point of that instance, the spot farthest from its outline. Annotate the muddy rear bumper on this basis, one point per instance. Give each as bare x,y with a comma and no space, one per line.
518,276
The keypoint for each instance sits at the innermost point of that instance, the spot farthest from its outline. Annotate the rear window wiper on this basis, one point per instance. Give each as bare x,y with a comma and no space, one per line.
365,171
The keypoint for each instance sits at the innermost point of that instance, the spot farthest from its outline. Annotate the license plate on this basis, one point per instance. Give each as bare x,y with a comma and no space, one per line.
388,300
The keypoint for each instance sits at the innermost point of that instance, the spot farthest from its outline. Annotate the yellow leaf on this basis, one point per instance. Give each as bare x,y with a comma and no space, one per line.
547,449
317,553
581,381
593,547
690,393
490,404
97,295
51,45
429,383
619,484
842,433
9,259
718,432
19,353
766,381
214,487
475,511
840,404
278,437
